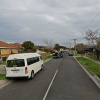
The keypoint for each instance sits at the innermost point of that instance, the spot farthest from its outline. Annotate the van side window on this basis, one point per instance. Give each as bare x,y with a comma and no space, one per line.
28,61
37,59
32,60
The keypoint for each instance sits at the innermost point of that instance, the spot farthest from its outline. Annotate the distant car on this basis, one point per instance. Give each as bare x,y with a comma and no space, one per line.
70,53
58,55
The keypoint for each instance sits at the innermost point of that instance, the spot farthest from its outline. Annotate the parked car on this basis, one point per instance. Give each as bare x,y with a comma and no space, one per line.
70,53
23,65
58,55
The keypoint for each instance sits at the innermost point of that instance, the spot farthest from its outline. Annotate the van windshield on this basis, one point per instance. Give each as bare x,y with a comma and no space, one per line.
15,63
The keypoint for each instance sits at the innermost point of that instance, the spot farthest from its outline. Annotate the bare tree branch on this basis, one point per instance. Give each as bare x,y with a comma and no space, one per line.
92,37
49,43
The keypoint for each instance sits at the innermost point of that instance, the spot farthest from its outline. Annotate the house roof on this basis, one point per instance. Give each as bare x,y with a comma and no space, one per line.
7,45
18,45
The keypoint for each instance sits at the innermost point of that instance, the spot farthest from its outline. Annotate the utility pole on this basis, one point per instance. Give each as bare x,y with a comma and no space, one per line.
75,44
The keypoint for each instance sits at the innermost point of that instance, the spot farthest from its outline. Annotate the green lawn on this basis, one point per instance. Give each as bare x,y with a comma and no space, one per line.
77,55
4,63
47,57
2,77
92,66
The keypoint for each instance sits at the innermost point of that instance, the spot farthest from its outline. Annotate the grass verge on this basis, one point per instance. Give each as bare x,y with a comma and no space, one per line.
4,63
2,77
47,57
92,66
77,55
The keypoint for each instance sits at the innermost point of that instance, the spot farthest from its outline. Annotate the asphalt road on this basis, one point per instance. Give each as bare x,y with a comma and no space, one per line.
69,83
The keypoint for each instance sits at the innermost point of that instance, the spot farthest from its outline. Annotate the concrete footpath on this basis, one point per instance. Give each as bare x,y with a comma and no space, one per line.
3,82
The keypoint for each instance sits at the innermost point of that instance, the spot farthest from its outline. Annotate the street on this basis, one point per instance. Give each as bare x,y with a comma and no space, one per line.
69,83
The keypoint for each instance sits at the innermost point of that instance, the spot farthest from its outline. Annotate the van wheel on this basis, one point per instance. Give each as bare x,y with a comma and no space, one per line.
32,75
42,67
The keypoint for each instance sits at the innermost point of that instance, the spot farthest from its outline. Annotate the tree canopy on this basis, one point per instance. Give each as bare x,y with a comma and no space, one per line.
57,47
80,47
28,46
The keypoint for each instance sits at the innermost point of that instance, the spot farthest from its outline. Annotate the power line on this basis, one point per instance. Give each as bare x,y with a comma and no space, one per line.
97,29
95,24
80,38
93,19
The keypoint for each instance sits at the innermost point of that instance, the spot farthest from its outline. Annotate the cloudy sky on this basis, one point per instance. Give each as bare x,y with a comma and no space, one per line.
57,20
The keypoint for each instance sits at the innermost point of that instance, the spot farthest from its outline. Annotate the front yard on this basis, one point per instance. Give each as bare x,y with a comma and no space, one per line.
2,77
92,66
4,63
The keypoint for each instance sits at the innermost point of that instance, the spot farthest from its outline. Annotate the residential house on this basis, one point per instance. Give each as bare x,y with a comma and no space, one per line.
40,48
8,48
89,49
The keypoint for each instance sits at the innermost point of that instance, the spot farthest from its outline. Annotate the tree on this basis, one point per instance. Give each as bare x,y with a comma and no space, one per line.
91,37
57,47
80,47
29,46
94,39
49,43
63,47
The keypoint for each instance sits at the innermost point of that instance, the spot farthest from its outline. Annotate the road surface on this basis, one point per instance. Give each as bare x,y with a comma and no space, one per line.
62,79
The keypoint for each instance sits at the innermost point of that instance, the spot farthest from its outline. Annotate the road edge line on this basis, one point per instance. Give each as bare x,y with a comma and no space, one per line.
94,78
50,85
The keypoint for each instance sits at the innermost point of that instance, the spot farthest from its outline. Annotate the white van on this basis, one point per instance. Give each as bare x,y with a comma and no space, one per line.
23,65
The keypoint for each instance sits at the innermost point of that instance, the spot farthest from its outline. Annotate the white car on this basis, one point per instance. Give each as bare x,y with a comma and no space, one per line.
23,65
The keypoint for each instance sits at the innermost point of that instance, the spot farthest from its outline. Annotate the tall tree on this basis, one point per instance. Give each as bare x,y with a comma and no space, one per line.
80,47
49,43
63,47
28,46
57,47
94,38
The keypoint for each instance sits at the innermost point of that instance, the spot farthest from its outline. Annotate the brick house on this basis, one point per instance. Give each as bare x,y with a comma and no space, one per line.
8,48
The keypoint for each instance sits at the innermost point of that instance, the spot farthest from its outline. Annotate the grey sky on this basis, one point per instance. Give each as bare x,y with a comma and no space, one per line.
59,20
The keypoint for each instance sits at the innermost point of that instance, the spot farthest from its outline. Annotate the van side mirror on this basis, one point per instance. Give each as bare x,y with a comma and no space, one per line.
41,58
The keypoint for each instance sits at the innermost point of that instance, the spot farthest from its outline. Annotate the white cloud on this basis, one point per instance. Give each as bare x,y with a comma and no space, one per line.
33,20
